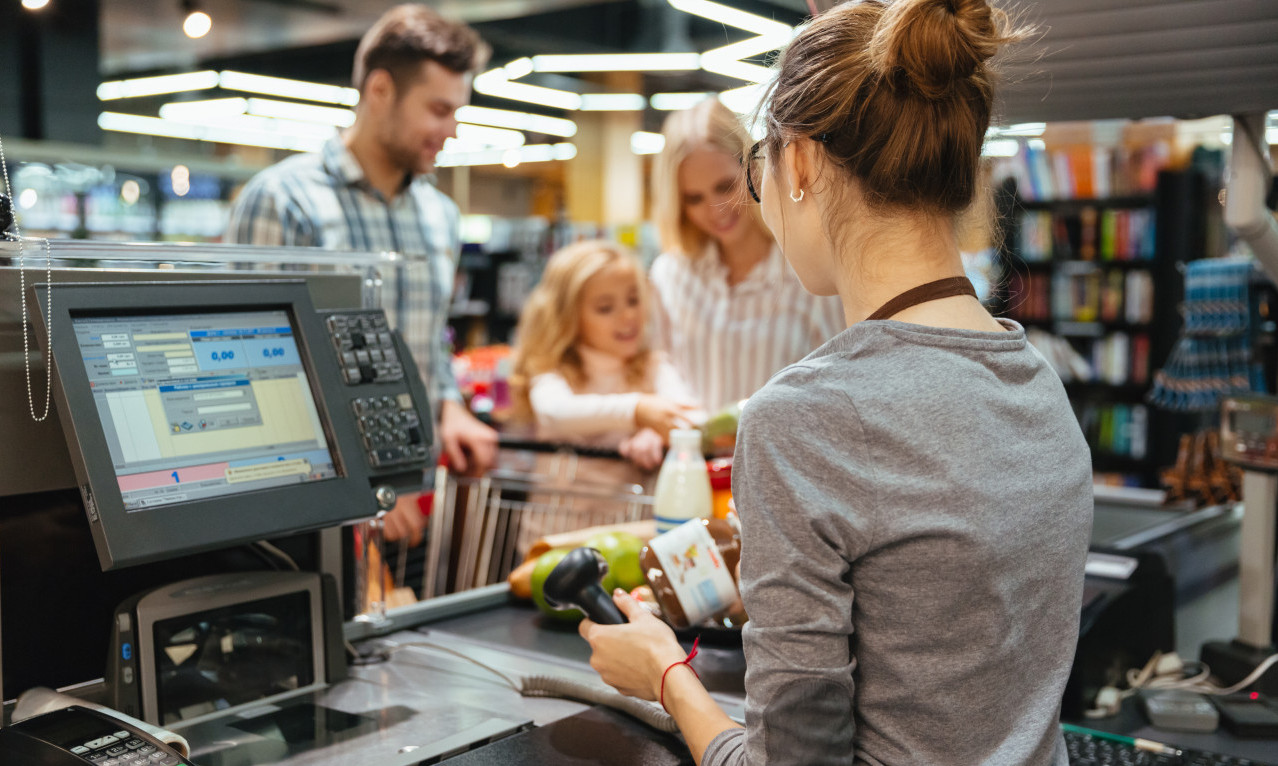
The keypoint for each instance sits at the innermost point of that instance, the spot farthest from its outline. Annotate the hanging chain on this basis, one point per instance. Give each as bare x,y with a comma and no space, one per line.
22,287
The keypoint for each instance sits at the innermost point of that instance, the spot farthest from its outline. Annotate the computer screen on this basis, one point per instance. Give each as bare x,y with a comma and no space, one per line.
203,404
201,415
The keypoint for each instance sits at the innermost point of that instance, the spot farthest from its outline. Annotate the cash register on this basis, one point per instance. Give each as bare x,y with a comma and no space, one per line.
201,415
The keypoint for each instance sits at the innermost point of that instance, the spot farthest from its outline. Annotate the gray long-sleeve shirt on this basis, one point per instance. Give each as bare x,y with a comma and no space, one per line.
915,504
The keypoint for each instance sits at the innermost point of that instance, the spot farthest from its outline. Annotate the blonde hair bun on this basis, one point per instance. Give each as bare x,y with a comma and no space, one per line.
929,45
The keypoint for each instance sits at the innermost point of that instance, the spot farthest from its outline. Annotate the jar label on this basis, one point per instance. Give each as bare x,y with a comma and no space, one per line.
695,570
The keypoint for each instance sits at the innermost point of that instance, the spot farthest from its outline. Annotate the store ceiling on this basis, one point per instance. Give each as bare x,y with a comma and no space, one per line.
1096,59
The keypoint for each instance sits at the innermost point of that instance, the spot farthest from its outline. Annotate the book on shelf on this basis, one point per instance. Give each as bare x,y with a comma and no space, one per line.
1084,171
1121,430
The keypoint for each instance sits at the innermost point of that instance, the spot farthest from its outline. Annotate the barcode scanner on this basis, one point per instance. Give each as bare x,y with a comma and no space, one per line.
574,582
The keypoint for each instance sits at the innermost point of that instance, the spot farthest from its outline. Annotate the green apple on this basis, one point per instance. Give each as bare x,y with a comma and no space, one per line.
547,562
621,550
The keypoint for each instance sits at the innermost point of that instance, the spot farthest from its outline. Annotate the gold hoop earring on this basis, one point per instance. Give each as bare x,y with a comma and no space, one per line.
798,198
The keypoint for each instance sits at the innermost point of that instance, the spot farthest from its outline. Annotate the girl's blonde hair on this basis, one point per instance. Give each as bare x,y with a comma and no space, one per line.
549,323
708,125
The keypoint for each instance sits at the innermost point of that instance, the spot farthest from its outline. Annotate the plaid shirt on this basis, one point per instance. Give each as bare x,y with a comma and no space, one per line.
323,200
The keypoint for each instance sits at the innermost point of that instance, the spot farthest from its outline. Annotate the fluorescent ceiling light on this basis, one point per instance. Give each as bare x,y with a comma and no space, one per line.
154,126
495,137
1024,129
221,108
742,100
154,86
727,59
617,62
1001,147
324,115
668,102
279,86
731,16
613,102
505,118
250,123
495,82
741,70
190,111
643,142
527,153
518,68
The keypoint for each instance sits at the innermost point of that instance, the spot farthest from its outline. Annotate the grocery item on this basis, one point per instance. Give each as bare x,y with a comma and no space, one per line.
691,571
683,486
720,470
621,550
520,577
720,430
546,563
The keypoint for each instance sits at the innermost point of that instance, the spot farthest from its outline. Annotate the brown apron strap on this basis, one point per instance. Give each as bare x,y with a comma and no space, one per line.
941,288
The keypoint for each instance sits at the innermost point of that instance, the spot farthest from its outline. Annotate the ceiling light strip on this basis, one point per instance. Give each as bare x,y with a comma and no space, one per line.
733,17
495,83
613,102
510,157
643,142
617,62
154,86
669,102
154,126
280,86
505,118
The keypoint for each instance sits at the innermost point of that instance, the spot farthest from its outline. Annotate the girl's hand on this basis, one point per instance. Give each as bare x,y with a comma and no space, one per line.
631,657
661,414
644,449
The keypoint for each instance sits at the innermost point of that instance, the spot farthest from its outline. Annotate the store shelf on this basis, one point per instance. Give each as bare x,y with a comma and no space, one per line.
1131,201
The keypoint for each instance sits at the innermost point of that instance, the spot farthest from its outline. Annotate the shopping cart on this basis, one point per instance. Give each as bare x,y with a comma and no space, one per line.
480,528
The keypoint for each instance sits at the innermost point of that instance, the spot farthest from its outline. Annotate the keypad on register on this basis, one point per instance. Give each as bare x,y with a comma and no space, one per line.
124,749
365,348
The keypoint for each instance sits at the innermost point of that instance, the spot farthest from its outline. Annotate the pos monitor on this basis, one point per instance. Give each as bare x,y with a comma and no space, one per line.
198,415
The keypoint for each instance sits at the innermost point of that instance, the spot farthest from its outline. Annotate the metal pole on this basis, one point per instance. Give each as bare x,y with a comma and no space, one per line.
1256,559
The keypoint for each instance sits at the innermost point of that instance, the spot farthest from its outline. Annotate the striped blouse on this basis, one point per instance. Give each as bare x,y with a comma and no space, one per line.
727,341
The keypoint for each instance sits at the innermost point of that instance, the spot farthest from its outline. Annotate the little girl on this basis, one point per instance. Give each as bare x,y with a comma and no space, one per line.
583,370
584,374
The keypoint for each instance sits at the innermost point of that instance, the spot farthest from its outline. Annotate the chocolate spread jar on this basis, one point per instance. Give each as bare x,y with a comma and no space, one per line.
692,572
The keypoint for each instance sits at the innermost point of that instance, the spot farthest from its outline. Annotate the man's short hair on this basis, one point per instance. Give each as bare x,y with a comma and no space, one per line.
409,34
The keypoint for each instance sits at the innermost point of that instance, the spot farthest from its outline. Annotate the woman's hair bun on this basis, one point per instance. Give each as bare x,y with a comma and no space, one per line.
929,45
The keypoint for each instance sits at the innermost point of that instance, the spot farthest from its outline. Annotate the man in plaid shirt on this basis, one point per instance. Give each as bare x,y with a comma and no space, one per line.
370,189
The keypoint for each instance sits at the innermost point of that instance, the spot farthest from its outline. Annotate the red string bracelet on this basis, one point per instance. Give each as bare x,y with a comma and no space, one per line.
685,661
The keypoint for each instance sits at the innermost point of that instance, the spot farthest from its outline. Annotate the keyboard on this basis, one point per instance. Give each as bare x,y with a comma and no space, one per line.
1096,748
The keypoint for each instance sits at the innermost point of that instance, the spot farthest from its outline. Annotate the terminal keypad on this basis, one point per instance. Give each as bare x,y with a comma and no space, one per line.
391,429
365,347
122,748
383,390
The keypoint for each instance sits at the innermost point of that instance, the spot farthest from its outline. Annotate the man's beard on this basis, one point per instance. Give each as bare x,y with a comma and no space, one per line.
408,158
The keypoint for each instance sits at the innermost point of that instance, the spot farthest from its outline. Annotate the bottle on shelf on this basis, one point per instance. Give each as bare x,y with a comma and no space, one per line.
683,484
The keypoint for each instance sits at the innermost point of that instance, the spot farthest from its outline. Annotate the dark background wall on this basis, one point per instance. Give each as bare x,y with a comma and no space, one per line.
49,71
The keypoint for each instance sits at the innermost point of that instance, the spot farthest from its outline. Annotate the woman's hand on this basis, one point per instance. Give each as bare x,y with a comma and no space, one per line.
661,414
644,449
631,657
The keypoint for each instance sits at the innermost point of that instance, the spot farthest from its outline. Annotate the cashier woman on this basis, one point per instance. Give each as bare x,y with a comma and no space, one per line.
915,495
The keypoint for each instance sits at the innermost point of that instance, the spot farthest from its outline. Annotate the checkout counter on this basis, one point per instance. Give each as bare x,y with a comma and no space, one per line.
438,684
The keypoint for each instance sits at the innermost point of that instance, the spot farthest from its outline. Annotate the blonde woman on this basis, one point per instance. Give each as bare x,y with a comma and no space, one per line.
915,496
728,308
